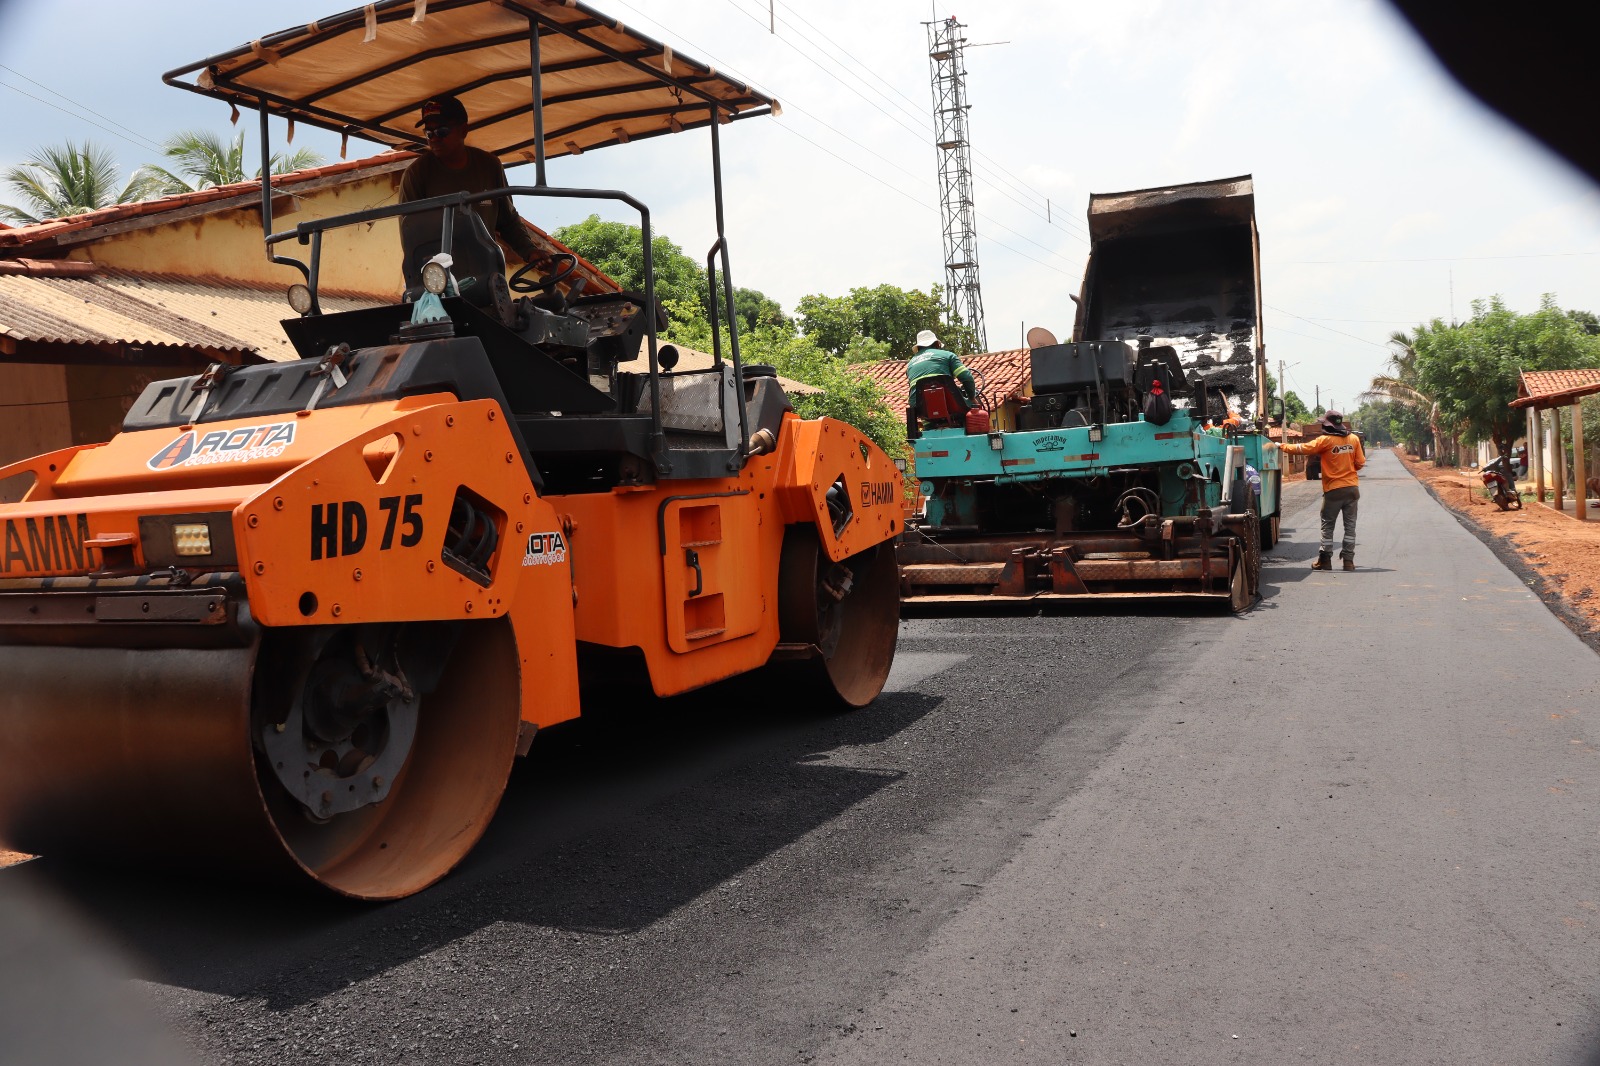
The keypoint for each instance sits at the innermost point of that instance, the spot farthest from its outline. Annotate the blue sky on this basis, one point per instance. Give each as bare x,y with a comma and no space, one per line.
1380,185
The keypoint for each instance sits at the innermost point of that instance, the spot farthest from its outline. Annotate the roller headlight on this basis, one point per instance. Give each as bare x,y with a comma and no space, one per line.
299,298
435,277
191,538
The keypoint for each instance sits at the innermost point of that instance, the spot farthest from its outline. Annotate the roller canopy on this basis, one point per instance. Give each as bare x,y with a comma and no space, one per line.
368,71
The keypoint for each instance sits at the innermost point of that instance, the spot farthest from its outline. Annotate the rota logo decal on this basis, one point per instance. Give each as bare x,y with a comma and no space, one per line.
42,545
545,549
877,493
240,445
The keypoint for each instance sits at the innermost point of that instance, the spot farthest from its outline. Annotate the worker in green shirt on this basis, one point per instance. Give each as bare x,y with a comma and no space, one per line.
929,360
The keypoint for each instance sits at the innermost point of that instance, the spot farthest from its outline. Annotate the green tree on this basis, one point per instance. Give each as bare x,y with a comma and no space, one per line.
1294,408
617,248
63,180
885,313
200,159
831,322
1373,420
845,396
1401,384
756,311
1586,319
1473,368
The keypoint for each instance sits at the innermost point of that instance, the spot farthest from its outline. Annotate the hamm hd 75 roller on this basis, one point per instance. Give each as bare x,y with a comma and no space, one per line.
1112,486
298,619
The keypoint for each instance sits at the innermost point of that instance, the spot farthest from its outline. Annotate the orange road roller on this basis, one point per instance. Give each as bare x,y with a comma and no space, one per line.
297,619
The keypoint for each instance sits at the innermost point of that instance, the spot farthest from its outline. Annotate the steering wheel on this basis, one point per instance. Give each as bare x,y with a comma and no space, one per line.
520,282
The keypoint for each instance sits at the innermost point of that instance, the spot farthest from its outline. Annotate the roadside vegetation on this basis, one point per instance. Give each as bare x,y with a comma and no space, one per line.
815,346
1450,386
58,181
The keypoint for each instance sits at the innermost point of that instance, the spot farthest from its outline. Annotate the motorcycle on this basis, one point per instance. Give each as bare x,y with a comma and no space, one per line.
1500,479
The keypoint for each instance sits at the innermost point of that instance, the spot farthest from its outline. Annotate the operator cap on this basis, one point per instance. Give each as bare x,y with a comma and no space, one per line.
443,111
926,339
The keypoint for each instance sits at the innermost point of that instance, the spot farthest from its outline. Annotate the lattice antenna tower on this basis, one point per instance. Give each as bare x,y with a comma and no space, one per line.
947,55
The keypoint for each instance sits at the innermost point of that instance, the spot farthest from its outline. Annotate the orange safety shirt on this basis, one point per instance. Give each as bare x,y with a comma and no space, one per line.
1342,456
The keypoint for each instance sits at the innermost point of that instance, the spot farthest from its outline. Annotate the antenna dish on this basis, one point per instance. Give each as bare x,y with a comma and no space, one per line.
1039,337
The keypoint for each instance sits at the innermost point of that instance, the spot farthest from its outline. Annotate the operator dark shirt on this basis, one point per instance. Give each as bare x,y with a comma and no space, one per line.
426,177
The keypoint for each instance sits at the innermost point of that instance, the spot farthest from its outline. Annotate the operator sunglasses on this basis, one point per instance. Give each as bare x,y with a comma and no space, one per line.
439,131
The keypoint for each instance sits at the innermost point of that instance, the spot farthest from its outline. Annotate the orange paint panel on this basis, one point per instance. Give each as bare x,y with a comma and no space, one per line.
631,594
824,451
242,451
328,542
712,593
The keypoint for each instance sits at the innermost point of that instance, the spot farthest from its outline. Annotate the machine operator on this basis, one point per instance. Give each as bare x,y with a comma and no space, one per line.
930,360
450,166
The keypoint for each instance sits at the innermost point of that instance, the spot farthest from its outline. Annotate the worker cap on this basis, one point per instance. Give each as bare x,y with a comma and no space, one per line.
1333,416
927,339
443,111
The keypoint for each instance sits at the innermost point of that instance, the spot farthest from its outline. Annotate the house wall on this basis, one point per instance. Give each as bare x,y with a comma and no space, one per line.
48,406
34,418
359,259
99,396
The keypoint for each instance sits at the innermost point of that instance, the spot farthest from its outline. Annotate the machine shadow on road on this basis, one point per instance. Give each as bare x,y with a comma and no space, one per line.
605,828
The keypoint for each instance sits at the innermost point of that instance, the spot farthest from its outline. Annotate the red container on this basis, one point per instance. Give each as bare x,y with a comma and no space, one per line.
977,421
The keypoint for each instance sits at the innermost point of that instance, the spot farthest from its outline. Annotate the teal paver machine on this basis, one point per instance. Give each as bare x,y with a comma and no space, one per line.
1140,466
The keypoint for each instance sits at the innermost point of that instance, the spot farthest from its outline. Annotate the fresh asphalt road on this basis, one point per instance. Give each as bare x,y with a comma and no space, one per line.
1355,825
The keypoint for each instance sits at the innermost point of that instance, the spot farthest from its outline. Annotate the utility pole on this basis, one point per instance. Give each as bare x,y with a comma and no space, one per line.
946,54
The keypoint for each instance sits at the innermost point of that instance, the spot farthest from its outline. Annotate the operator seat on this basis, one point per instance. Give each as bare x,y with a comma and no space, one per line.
938,402
474,252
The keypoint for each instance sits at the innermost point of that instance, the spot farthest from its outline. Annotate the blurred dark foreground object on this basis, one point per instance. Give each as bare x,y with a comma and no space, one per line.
66,998
1531,62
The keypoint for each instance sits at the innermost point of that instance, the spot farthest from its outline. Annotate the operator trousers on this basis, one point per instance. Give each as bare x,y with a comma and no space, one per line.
1336,502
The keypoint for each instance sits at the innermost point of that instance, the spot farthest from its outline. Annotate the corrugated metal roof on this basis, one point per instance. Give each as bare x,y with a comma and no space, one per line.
1542,389
1004,376
147,311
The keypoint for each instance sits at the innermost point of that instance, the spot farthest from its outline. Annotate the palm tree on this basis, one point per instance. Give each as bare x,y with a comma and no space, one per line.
1401,384
65,180
201,159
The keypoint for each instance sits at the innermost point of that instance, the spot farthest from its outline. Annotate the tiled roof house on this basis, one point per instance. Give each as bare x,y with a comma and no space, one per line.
95,306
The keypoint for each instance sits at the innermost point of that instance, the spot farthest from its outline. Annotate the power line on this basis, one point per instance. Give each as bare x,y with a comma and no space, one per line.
912,108
72,114
1330,329
1435,259
901,192
920,131
147,142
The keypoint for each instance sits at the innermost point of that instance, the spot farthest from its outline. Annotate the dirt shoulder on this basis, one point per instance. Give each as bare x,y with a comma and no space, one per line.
1556,554
11,858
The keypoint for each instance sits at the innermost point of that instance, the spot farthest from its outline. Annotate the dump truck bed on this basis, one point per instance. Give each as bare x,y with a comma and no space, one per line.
1179,266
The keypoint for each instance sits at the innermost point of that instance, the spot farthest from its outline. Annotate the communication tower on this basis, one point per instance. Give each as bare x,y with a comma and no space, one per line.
947,56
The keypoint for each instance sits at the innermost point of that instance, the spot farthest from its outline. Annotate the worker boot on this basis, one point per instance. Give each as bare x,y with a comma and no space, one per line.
1349,563
1324,561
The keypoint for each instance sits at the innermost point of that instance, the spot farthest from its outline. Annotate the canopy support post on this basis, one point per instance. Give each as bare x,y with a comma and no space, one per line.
1536,450
1558,459
1580,476
266,204
536,70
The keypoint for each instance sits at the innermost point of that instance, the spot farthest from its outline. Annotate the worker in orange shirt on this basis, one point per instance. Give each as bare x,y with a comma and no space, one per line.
1342,458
